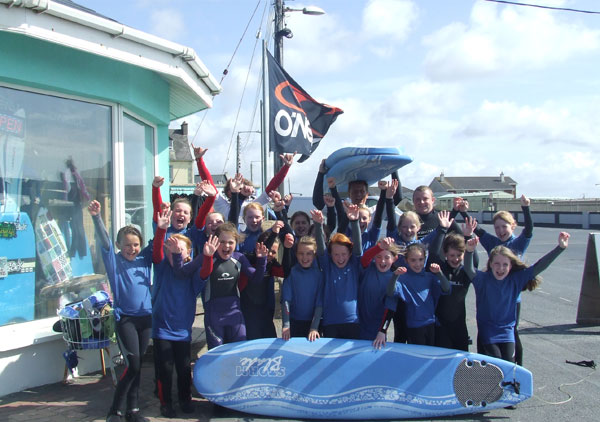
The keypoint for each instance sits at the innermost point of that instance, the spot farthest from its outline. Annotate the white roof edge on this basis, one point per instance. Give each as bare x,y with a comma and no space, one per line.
122,31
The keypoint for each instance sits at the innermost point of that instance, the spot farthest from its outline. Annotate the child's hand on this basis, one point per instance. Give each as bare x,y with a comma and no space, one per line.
313,335
385,243
322,167
469,226
288,240
434,268
392,188
288,159
278,206
198,189
199,152
331,182
173,246
164,219
400,270
158,181
277,226
317,216
464,206
382,184
208,188
165,206
285,333
563,240
261,250
472,244
456,203
235,183
379,341
352,212
211,245
444,219
525,201
275,196
287,199
329,200
94,208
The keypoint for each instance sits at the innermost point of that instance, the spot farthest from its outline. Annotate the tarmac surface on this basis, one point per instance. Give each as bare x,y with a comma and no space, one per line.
548,331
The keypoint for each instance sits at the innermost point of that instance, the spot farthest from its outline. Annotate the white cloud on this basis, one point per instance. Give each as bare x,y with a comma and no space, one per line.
389,22
501,38
168,23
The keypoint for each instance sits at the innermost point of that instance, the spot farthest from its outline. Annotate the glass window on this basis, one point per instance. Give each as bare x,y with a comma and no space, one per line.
55,155
138,143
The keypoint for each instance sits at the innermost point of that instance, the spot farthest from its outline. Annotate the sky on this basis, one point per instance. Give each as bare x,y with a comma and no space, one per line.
464,87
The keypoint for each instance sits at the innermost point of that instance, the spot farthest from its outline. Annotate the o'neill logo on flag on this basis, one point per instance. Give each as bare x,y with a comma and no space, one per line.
297,122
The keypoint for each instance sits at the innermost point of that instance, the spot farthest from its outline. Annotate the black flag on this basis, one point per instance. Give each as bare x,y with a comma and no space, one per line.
297,122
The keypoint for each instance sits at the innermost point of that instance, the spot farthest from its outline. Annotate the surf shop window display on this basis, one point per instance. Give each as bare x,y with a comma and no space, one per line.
55,156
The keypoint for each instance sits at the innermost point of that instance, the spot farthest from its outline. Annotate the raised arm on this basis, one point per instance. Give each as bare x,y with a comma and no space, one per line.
202,169
318,187
352,214
163,221
317,217
528,229
398,194
468,265
211,193
101,233
390,208
545,261
444,283
278,179
331,214
378,214
156,197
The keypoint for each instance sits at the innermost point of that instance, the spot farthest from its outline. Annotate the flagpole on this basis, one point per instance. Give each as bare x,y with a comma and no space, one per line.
264,120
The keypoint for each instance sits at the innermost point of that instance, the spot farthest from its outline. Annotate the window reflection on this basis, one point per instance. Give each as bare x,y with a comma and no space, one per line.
55,155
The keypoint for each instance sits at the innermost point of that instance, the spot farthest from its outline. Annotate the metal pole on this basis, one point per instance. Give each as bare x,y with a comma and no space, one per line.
238,163
278,55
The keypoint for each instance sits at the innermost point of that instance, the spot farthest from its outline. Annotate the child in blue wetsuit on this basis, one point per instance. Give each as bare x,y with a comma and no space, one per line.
173,313
341,269
420,291
128,273
496,292
302,294
372,290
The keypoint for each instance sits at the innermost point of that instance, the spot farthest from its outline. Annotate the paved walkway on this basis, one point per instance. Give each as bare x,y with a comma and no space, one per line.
89,396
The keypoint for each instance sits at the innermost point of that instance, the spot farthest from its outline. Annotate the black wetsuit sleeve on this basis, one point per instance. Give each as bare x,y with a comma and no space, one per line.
468,266
234,209
356,238
286,261
391,286
314,325
444,283
391,214
317,198
386,321
341,212
101,232
320,239
545,261
285,314
528,230
378,216
398,194
435,248
331,219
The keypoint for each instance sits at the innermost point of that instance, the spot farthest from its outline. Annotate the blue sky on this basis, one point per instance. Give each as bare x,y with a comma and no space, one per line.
467,87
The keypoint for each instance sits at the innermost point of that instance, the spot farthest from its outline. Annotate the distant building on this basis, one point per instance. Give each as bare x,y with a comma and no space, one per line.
461,185
181,161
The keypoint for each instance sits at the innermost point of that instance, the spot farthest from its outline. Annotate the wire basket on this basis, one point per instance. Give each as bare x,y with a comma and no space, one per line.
88,332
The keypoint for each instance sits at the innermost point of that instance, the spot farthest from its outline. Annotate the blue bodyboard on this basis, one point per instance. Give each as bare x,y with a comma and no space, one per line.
348,379
370,168
347,152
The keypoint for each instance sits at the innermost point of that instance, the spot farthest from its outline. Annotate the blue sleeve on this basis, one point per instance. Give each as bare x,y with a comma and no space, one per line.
489,242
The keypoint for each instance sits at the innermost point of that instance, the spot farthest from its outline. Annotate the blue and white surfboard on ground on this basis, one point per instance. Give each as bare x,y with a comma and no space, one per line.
348,379
369,164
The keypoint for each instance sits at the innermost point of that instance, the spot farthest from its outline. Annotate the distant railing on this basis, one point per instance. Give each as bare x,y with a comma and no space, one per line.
565,219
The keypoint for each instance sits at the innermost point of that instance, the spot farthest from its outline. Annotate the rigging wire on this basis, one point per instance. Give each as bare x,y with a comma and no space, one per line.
256,42
226,71
566,9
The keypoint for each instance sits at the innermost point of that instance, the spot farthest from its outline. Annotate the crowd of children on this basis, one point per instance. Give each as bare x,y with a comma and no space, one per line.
342,277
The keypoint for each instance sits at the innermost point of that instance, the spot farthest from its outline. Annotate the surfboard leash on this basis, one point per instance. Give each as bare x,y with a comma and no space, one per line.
589,364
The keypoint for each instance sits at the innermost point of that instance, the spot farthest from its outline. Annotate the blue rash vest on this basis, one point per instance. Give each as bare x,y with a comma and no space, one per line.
303,290
129,281
420,291
371,300
174,305
340,293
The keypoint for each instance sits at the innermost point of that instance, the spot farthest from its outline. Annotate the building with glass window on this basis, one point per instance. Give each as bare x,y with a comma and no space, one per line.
85,105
